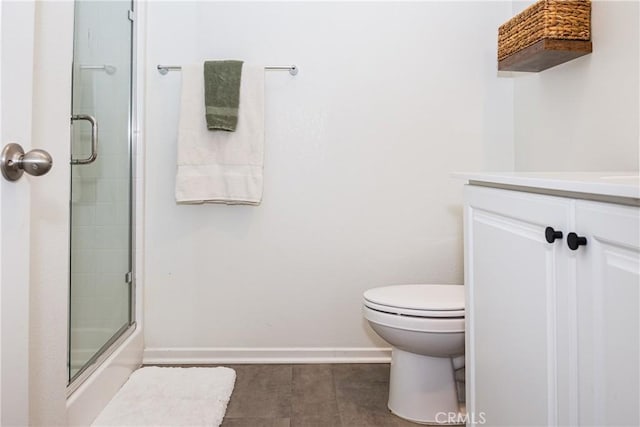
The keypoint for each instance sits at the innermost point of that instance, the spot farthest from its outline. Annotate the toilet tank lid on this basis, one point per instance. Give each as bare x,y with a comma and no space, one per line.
418,297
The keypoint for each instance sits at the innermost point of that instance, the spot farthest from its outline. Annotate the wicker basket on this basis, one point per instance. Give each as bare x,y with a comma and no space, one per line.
546,19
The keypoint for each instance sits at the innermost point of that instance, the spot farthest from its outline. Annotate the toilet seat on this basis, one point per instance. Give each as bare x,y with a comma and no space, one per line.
414,323
426,301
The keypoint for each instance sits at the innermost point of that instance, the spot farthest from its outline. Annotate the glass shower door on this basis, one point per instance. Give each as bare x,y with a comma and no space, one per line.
100,257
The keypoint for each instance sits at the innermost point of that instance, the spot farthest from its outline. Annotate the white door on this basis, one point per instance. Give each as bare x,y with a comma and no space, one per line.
16,74
35,91
608,296
513,279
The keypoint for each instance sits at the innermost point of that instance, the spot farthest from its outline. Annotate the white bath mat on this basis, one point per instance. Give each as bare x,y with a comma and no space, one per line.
170,397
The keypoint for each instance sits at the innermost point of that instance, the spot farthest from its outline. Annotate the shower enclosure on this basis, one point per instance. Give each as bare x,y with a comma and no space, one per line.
101,279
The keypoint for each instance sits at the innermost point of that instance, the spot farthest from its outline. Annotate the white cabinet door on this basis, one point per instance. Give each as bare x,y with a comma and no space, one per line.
512,277
608,296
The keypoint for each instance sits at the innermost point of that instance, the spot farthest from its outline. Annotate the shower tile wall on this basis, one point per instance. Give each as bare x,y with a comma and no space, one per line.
100,190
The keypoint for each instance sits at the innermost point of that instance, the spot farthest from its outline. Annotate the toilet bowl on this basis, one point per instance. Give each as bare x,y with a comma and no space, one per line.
424,324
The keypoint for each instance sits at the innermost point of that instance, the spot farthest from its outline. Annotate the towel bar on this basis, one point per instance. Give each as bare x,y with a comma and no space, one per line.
293,70
109,69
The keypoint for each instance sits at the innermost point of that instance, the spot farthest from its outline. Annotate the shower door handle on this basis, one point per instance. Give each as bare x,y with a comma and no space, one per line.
94,139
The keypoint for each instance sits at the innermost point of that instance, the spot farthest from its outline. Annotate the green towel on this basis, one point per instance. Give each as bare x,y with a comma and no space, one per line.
222,94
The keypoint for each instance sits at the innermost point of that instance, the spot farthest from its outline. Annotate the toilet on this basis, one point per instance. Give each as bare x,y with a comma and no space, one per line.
424,324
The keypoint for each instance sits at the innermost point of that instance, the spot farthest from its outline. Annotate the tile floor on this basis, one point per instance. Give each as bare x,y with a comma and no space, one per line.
341,395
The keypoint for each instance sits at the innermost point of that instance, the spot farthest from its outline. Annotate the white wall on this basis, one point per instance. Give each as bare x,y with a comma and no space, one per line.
390,99
583,115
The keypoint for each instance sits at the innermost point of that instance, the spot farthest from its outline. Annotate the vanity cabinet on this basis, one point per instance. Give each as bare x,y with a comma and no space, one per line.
607,290
552,333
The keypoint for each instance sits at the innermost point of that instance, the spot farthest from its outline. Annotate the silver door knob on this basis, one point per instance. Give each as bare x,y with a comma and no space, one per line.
14,162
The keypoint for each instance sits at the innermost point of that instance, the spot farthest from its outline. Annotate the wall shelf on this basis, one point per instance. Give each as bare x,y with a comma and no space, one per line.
544,54
546,34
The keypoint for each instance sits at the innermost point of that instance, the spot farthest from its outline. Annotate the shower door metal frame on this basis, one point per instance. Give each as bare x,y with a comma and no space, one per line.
126,330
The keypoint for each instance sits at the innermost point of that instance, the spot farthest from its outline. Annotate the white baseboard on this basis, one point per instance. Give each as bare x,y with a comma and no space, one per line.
206,356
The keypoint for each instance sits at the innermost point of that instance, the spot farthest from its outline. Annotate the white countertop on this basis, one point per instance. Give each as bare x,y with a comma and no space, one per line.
616,184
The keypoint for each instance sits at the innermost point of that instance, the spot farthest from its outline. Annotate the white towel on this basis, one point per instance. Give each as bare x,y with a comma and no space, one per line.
220,166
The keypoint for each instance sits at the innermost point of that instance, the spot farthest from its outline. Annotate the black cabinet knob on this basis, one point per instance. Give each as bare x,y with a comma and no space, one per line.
574,241
551,235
